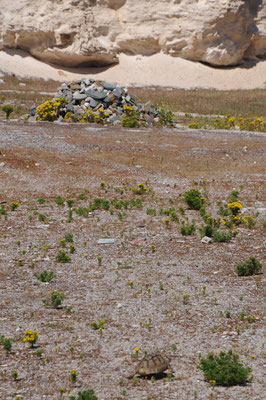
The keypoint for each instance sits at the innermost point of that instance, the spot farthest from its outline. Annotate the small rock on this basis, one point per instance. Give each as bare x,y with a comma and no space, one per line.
22,84
2,164
106,241
206,239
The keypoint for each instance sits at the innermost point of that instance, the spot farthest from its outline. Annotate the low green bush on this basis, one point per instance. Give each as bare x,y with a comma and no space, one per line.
194,199
8,109
222,236
45,276
85,395
224,369
251,267
187,229
62,257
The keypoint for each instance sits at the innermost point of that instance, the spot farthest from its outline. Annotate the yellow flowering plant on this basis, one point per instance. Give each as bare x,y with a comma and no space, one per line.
235,207
31,337
49,111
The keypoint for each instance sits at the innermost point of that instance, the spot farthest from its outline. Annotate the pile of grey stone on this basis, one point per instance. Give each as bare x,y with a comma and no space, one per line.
89,94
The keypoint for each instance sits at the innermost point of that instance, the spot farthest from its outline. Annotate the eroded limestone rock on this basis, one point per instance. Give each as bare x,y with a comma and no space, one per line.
94,32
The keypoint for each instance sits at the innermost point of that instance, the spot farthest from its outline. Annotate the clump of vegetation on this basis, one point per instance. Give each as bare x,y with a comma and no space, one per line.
62,257
223,236
97,325
8,109
140,189
187,229
131,117
60,201
56,299
45,276
31,337
49,111
207,230
82,211
85,395
194,199
69,238
73,375
6,343
251,267
166,116
13,205
224,369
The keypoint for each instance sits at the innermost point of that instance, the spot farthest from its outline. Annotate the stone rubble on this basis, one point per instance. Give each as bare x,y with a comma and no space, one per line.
88,94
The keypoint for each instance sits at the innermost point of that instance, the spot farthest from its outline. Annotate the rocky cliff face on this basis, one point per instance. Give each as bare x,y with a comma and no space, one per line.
94,32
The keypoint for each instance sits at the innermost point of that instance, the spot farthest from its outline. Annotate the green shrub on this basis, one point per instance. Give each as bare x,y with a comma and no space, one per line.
6,343
82,211
222,236
56,298
8,109
45,276
41,200
85,395
130,121
41,217
207,230
251,267
194,199
69,238
233,196
60,201
151,211
62,257
166,116
187,229
224,369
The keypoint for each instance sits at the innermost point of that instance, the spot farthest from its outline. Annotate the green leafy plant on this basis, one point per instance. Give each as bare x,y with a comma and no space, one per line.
62,257
69,238
85,395
60,201
223,236
41,200
45,276
56,298
207,230
187,229
14,374
194,199
41,217
14,205
166,116
6,343
72,249
97,325
73,375
251,267
31,337
82,211
8,109
224,369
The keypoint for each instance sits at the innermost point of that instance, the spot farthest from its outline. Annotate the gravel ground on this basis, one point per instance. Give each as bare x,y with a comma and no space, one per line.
44,160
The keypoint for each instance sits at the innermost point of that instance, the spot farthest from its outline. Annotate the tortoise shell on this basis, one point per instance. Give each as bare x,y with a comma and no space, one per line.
152,364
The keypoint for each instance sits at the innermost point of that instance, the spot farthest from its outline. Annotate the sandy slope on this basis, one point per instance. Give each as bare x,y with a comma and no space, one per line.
156,70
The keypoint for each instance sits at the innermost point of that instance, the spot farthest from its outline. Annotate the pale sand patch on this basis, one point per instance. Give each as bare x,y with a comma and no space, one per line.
156,70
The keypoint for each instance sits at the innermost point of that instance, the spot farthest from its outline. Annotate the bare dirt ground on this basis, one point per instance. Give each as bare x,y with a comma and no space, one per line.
44,160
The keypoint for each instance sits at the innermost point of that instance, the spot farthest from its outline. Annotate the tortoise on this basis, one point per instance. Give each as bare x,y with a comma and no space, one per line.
152,364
